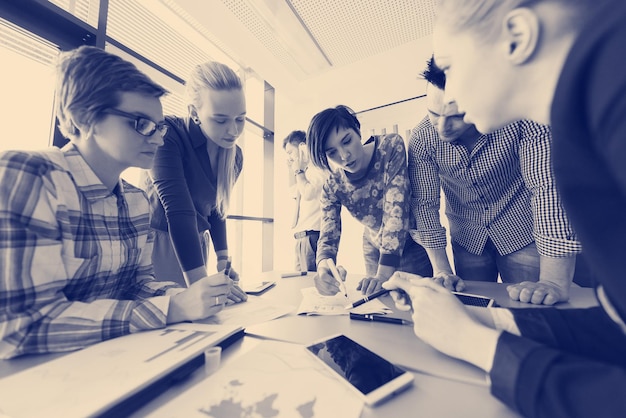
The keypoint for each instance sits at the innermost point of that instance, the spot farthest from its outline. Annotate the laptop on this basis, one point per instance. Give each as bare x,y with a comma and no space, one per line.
114,377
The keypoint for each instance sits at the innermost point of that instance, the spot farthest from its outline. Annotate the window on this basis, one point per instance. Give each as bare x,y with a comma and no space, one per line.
27,86
165,43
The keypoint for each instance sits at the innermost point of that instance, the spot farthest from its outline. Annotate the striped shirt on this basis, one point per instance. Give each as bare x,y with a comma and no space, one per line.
378,200
502,190
75,257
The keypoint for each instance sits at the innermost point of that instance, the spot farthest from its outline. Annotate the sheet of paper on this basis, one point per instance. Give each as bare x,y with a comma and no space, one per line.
315,304
254,311
274,379
90,381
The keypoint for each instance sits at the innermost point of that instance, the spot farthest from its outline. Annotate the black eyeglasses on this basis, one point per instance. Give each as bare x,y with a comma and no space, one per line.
143,126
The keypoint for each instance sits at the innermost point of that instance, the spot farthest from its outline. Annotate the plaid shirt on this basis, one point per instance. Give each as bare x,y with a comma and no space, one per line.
75,258
502,190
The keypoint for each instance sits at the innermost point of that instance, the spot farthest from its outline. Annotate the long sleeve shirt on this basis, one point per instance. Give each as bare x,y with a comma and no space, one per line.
551,376
503,190
182,190
379,200
75,258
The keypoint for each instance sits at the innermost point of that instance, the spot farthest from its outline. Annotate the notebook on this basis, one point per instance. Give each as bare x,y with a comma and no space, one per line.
113,377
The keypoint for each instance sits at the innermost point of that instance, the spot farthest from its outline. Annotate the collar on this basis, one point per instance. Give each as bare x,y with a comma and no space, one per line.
195,133
87,182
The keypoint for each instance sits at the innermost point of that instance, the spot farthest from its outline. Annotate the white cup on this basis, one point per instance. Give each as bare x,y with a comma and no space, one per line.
212,358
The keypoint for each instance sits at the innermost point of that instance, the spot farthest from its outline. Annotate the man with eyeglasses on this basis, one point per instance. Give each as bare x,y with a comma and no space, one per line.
75,239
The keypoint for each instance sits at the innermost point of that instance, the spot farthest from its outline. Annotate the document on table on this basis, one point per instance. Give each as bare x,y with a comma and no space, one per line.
315,304
254,311
93,380
274,379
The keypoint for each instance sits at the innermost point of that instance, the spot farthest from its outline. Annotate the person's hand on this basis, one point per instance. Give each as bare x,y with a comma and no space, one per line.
203,298
442,321
301,160
221,265
236,295
369,285
538,293
325,282
450,281
439,318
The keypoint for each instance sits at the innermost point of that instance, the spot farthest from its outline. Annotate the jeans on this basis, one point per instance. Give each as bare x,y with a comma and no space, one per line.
521,265
414,258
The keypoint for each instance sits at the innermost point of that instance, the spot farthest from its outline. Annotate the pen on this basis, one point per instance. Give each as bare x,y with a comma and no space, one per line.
374,295
379,318
294,274
227,268
337,276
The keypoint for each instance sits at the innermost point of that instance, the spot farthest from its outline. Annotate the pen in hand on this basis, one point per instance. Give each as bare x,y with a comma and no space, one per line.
337,276
228,265
374,295
379,318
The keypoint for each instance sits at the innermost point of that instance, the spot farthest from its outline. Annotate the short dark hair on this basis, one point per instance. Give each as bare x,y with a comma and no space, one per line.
434,75
90,80
294,138
322,125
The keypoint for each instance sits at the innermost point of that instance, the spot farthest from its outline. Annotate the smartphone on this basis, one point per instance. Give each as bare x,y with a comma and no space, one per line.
475,300
369,375
256,288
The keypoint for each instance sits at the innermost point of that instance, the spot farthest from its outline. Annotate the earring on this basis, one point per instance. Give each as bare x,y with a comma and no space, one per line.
196,120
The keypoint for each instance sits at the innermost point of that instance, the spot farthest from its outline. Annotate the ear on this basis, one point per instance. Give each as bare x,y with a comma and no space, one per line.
521,31
193,113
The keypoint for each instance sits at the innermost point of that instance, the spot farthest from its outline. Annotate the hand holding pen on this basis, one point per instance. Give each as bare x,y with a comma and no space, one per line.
235,295
330,279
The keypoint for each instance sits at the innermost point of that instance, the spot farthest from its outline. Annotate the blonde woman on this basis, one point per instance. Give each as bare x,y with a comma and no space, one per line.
193,175
559,62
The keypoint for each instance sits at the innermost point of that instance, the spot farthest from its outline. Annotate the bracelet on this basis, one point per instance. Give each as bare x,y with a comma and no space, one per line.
299,172
222,258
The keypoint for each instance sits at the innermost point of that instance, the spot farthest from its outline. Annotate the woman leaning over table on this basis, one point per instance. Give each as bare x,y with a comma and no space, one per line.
370,179
559,62
193,175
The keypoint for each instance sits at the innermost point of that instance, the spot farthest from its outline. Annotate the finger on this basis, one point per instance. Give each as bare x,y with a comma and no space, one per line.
236,292
525,295
371,287
217,279
439,280
397,281
358,287
513,292
342,272
538,296
460,285
550,299
325,288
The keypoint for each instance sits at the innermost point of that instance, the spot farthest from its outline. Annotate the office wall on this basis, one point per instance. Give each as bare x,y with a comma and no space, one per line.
386,78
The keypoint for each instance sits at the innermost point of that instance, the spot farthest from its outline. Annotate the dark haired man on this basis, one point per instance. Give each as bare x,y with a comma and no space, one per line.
504,213
306,183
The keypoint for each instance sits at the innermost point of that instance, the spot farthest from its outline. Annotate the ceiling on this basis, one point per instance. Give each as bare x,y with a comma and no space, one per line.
309,37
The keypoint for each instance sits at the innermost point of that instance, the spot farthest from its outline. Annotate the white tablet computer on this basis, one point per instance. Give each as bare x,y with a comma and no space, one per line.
372,377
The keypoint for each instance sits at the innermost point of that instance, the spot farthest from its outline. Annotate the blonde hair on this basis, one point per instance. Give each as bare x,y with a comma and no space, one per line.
485,17
217,76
